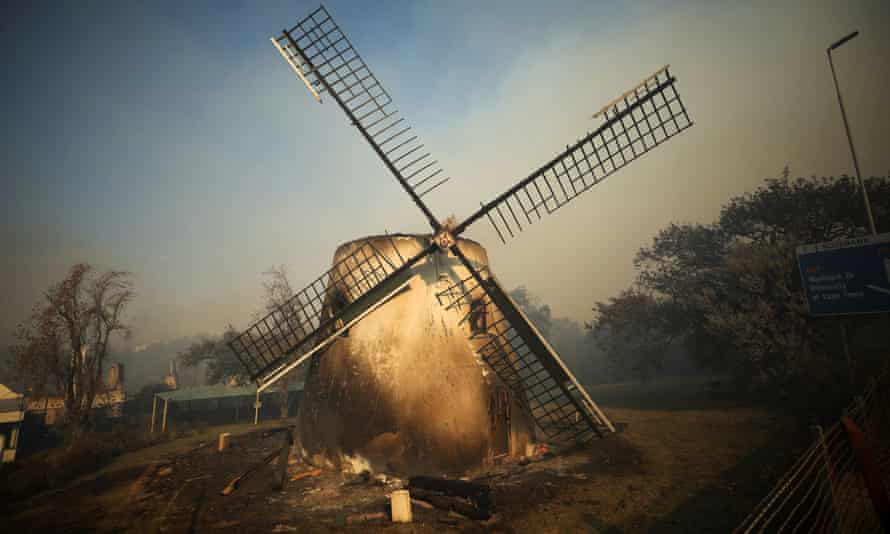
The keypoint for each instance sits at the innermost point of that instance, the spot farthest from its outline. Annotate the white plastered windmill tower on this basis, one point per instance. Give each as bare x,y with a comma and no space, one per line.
419,360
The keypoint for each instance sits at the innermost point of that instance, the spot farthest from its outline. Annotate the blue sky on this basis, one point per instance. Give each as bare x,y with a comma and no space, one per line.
170,139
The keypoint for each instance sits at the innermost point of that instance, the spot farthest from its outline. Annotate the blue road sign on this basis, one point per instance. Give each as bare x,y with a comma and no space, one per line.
847,277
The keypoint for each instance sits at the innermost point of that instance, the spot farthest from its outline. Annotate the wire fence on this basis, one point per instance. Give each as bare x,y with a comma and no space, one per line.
825,490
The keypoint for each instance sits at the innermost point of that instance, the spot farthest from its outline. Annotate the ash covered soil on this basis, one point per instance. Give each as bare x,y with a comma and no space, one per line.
683,462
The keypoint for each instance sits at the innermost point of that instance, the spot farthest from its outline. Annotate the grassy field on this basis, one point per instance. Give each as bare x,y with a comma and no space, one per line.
687,460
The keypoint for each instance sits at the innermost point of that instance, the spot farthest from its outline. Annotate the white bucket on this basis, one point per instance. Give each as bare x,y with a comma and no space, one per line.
529,449
400,501
223,441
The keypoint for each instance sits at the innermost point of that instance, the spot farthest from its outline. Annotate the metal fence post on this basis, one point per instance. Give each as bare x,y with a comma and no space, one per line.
853,458
859,401
826,459
154,410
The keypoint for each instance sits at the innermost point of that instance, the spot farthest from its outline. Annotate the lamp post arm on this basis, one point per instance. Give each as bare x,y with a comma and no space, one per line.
842,40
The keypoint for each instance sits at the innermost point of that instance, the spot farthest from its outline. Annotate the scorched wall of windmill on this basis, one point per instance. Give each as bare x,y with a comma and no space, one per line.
404,392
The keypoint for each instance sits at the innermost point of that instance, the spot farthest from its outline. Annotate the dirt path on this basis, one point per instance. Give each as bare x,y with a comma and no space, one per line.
164,451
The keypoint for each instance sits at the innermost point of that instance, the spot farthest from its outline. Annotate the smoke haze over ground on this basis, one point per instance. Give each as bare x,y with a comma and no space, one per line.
172,141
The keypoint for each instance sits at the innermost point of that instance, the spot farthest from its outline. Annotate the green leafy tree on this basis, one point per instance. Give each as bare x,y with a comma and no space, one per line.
537,312
762,315
635,333
730,294
567,336
221,363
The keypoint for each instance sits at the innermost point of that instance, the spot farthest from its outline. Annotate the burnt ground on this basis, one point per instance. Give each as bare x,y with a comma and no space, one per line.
684,462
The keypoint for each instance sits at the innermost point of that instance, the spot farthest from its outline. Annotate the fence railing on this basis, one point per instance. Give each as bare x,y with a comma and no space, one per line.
825,490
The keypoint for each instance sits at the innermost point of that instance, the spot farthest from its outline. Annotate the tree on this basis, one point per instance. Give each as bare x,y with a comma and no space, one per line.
681,259
805,210
538,313
215,353
763,316
682,264
62,348
277,292
579,350
635,331
730,292
565,335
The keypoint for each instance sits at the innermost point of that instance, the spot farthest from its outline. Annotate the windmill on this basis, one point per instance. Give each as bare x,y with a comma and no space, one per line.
367,274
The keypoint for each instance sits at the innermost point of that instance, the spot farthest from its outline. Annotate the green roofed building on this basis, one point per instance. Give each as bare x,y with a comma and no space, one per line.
216,395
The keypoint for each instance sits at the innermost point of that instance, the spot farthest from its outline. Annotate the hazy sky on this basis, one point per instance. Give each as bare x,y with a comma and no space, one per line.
170,139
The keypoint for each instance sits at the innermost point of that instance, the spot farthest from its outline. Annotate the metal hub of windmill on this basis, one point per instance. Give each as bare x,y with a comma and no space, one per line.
304,327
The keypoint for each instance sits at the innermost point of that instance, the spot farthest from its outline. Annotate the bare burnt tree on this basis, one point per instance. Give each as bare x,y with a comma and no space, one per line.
222,364
277,291
62,347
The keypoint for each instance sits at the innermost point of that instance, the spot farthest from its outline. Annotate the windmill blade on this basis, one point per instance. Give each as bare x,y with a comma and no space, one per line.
318,313
521,358
324,59
634,123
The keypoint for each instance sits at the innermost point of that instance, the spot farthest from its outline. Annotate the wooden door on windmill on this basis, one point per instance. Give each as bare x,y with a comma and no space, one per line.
499,412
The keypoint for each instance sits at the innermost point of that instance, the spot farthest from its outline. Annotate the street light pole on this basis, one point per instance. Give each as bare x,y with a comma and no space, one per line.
871,220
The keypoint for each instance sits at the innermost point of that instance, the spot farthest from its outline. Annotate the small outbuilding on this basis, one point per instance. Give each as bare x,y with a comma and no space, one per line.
217,398
12,413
